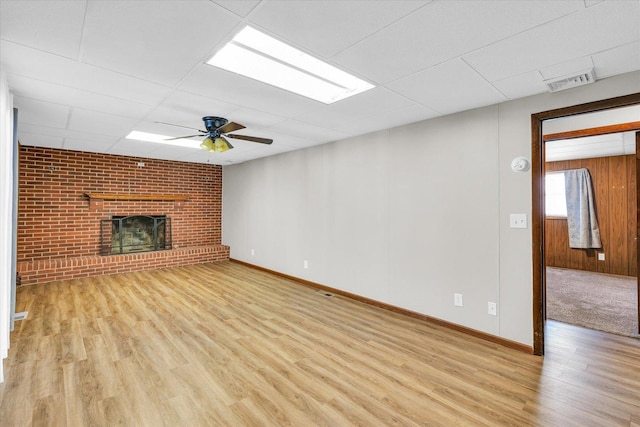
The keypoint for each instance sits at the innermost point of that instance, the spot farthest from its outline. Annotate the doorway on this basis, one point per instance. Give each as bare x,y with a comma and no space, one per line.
538,204
591,271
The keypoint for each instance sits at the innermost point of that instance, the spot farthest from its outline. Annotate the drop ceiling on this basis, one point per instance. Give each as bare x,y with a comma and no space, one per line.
86,73
589,147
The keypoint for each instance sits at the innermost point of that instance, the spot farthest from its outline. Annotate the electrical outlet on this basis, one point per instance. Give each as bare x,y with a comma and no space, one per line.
600,256
253,251
518,220
305,264
457,300
492,308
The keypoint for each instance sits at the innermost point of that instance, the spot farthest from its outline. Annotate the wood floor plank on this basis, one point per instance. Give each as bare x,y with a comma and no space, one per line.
50,411
224,344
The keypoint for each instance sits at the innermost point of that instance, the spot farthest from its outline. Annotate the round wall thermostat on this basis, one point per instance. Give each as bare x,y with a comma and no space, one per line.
520,164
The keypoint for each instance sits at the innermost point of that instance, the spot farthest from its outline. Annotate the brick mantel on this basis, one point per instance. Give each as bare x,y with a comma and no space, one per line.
128,196
96,199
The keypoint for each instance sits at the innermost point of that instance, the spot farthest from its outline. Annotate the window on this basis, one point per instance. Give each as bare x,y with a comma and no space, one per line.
555,199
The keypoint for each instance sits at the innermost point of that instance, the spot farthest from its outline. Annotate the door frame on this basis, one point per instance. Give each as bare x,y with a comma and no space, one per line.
537,193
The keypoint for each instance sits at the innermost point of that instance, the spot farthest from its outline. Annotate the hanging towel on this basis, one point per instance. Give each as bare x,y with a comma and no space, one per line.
584,232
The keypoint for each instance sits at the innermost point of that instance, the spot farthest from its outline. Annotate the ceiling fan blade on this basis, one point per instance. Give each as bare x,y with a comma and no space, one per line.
180,126
230,127
251,138
186,136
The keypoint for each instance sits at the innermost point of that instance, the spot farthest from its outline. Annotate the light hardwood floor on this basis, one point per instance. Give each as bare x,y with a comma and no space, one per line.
224,344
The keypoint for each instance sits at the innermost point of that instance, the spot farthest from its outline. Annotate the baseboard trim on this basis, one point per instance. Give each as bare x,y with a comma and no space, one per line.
434,320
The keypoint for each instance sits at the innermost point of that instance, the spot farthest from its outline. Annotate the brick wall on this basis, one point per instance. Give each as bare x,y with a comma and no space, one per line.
59,227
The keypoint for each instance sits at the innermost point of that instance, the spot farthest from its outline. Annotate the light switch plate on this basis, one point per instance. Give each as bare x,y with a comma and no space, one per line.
518,220
457,300
492,308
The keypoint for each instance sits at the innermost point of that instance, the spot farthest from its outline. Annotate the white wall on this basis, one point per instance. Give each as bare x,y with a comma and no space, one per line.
407,216
6,212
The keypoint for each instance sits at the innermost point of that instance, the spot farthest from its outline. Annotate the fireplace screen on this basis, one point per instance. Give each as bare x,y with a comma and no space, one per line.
136,233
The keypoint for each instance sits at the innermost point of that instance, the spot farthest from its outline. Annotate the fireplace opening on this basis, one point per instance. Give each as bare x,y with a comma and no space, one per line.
135,233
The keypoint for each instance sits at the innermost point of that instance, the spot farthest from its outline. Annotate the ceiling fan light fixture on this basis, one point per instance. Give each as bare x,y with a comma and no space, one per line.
216,144
207,144
215,141
221,145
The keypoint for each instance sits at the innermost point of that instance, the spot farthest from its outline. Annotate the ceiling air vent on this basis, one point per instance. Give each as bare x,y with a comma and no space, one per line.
571,80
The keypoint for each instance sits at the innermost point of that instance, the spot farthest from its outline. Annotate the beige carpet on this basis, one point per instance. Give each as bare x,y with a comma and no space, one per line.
597,301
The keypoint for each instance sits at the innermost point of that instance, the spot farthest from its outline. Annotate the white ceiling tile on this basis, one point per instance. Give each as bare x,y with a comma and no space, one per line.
240,146
72,97
522,85
40,128
565,68
444,30
158,41
31,111
571,37
281,139
199,157
220,84
257,153
619,60
130,147
308,131
100,123
255,118
239,7
249,145
314,27
67,72
50,26
142,61
270,150
390,119
89,143
163,129
228,157
187,109
66,134
173,152
448,88
375,101
40,140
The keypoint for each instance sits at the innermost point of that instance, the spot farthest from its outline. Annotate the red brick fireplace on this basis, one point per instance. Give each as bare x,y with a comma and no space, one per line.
65,195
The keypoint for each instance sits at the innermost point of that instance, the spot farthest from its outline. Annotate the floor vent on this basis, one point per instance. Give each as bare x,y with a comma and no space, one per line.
21,316
325,293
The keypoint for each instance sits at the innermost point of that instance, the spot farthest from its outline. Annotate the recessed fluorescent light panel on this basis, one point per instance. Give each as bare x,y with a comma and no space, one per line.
261,57
163,139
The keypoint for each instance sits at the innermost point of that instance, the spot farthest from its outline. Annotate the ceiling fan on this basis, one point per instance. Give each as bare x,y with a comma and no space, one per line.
217,132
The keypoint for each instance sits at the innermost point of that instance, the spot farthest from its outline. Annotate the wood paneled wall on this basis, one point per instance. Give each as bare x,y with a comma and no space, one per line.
614,182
